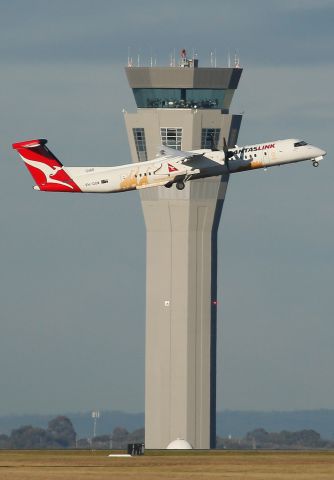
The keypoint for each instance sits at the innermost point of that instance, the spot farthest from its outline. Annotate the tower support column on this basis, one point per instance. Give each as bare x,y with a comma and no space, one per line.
180,327
185,108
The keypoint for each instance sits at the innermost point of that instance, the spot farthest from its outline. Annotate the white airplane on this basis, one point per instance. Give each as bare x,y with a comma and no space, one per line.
170,166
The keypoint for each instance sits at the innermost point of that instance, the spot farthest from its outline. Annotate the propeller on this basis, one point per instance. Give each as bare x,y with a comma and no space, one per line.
228,153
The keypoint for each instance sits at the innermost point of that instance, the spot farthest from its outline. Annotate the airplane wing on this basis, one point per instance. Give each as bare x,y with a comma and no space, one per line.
179,156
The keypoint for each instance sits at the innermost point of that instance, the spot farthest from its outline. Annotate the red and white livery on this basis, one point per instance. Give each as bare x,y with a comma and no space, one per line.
167,168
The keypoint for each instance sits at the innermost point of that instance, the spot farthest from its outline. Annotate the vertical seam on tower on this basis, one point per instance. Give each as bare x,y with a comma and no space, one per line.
196,328
170,318
202,317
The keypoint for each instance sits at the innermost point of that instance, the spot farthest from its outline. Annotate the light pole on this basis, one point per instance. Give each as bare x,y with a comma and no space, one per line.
95,416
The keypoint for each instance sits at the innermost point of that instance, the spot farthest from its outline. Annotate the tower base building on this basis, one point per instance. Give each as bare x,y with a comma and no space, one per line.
183,107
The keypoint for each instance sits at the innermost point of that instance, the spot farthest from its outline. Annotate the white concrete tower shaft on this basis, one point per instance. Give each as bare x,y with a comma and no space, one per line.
182,107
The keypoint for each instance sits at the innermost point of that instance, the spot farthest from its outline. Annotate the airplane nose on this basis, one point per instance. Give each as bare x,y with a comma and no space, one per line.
319,152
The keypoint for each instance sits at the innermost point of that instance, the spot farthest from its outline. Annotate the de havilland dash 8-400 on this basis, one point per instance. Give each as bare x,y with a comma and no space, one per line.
169,167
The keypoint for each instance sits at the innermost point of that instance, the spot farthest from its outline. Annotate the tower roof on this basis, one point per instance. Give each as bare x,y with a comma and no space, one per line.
178,77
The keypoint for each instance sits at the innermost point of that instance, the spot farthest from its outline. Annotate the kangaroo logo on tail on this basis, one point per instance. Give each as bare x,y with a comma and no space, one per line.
48,171
44,167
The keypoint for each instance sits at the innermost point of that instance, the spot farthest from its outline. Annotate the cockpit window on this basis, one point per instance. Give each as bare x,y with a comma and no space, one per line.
300,144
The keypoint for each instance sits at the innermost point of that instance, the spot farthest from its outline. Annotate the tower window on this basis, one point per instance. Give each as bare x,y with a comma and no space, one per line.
209,136
171,137
207,98
139,136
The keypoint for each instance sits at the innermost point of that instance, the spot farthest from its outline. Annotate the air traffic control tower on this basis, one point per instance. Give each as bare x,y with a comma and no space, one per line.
184,107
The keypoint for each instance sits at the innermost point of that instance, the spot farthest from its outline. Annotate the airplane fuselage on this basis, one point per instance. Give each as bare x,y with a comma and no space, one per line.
170,166
205,163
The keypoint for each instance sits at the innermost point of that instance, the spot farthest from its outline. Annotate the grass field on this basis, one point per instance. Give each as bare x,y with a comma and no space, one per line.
73,465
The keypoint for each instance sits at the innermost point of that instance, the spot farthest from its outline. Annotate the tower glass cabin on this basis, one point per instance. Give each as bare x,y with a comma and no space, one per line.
182,107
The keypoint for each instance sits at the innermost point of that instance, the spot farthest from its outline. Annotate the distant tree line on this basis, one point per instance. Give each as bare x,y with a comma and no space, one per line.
284,440
60,434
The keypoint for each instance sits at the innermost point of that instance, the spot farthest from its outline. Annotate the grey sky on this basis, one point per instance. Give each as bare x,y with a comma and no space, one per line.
72,280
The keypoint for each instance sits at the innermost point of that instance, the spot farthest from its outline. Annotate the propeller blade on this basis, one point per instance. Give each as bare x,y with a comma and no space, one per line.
225,147
228,154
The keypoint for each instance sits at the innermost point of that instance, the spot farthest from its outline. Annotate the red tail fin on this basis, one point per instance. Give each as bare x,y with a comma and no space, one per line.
44,167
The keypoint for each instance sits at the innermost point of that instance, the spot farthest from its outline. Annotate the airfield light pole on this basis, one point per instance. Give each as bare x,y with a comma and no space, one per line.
95,416
184,107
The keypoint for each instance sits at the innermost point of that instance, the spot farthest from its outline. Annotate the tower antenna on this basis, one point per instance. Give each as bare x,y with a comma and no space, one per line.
129,58
236,60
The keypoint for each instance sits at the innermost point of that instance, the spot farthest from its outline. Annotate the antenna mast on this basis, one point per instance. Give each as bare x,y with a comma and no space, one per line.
129,58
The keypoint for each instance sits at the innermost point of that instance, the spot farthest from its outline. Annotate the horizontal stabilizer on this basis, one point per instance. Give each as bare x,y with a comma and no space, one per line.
29,143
